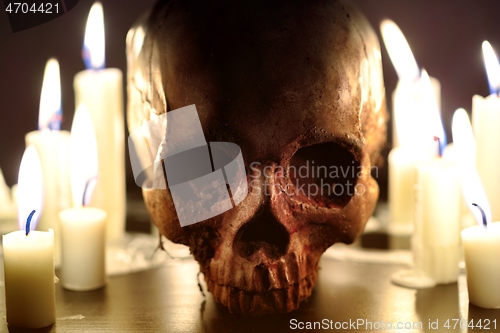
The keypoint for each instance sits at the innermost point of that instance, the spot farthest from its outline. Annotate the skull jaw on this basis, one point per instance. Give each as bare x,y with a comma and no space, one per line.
259,285
270,301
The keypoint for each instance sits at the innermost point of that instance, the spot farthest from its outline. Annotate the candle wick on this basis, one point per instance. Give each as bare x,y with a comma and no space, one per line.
485,222
440,150
87,189
28,221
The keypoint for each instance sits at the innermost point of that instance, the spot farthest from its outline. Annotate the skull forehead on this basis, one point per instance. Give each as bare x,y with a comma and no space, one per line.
263,72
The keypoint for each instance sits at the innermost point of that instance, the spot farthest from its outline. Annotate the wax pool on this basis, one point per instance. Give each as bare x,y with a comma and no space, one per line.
29,278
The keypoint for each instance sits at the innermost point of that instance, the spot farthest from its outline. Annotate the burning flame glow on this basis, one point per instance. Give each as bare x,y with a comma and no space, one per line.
30,187
417,116
492,67
93,44
463,140
50,114
431,115
82,157
399,51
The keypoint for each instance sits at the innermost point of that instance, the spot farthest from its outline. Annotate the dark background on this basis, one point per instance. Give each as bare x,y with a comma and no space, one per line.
445,37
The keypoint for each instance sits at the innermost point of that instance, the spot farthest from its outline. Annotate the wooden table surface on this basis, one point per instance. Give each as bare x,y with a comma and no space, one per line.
167,299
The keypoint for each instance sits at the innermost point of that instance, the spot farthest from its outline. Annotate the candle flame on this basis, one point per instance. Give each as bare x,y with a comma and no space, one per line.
93,44
472,189
430,112
82,157
417,116
30,187
492,67
399,51
50,114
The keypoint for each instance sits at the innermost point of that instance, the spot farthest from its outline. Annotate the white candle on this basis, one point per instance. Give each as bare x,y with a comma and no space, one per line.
83,241
83,229
100,90
410,140
436,236
29,278
52,147
402,179
437,221
436,240
418,124
29,255
486,124
482,264
481,243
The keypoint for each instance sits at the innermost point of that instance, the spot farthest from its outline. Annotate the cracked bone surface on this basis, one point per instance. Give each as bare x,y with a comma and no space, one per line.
298,87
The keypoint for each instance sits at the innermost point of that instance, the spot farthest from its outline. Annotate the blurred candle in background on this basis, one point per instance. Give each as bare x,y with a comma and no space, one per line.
83,228
100,90
52,147
486,125
436,236
481,242
410,143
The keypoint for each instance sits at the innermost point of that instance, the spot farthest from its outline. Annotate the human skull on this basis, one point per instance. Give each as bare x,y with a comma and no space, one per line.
298,86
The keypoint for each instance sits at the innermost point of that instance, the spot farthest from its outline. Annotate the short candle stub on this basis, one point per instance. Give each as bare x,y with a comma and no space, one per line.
28,221
485,222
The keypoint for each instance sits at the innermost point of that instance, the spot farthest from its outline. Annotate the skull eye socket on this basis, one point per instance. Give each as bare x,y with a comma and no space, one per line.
325,173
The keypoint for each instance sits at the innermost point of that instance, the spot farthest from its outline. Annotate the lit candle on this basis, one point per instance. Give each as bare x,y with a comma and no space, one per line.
408,137
486,124
83,228
100,90
481,242
436,235
52,147
29,255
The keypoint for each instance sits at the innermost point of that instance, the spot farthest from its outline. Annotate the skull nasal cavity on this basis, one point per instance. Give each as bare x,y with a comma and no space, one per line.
264,233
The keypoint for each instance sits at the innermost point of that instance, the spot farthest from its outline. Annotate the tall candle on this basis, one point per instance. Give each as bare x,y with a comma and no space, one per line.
100,90
52,147
436,239
83,228
486,124
29,255
407,123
